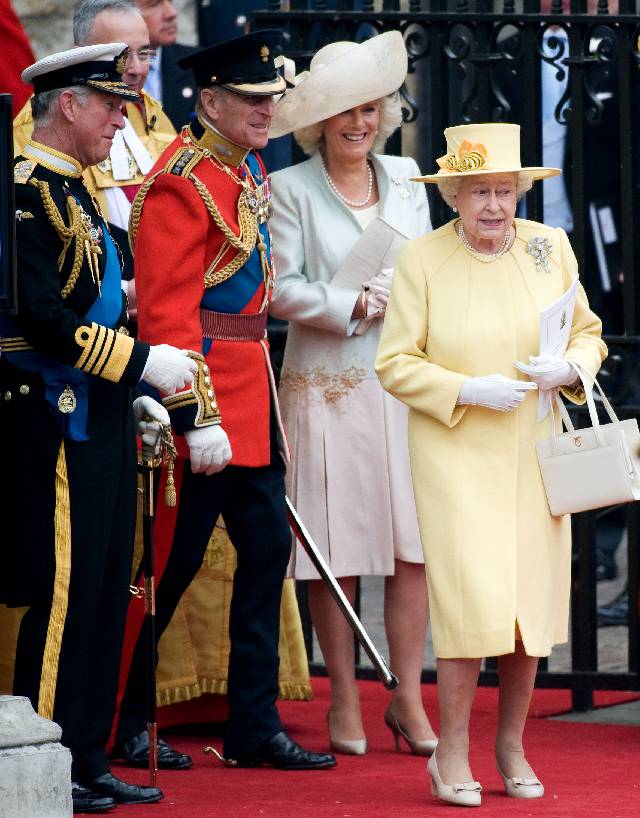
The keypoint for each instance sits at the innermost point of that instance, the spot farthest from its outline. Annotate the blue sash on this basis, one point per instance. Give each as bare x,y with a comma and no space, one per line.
57,376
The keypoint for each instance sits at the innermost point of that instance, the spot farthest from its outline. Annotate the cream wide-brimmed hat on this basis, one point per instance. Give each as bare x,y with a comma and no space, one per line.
342,76
475,150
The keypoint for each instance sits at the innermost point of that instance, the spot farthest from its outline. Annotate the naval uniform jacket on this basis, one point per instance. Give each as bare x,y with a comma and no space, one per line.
201,248
68,481
52,352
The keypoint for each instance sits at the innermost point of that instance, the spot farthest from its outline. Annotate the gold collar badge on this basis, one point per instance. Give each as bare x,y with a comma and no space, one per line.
264,53
469,157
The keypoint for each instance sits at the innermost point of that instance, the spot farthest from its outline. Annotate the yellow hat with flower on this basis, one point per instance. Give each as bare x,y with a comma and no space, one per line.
477,149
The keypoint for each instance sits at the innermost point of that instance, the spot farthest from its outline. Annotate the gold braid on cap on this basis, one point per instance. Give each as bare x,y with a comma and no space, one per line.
469,157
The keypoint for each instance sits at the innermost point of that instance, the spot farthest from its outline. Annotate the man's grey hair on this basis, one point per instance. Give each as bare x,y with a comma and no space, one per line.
85,13
43,104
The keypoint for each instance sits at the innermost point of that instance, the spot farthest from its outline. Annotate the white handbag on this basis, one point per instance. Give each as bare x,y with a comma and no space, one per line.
593,467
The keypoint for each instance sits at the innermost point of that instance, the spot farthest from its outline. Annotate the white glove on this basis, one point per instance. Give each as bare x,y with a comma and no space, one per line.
169,369
379,288
494,392
209,449
149,430
548,371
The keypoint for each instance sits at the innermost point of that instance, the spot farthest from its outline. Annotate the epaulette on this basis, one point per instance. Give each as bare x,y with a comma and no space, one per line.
23,170
180,164
183,161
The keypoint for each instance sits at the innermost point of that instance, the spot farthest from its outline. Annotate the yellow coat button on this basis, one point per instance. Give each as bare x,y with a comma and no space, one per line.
24,389
7,395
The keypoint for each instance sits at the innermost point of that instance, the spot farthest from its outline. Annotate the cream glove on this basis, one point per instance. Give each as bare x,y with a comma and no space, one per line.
494,392
549,371
378,288
209,449
150,416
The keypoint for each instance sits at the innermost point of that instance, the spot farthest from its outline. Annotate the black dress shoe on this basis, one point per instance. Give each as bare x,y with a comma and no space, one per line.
87,801
615,613
284,754
135,752
123,793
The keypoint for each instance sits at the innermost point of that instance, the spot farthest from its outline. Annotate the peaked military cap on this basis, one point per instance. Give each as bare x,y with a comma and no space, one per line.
247,65
98,66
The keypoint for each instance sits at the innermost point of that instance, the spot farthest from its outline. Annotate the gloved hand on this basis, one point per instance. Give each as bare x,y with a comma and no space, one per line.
494,392
149,430
169,369
549,371
209,449
379,288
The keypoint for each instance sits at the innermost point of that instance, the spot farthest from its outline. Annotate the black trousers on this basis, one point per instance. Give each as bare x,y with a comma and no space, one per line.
252,504
70,639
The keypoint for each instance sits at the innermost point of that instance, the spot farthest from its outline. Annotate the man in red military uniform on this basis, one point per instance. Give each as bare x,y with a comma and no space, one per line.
204,276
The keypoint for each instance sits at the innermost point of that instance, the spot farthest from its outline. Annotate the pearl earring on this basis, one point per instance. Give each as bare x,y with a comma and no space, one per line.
455,209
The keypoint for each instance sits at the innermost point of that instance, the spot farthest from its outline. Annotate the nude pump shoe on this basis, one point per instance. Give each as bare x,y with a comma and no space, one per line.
419,747
349,747
522,787
465,794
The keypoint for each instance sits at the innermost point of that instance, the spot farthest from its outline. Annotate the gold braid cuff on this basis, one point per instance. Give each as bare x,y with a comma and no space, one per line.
200,394
105,352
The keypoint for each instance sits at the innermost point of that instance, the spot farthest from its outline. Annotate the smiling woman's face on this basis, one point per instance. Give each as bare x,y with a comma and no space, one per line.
351,134
487,206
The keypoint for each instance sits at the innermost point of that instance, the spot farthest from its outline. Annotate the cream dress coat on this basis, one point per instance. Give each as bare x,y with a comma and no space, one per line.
349,477
496,559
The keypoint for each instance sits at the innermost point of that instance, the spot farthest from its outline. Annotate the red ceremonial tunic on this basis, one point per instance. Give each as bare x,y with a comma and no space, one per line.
186,240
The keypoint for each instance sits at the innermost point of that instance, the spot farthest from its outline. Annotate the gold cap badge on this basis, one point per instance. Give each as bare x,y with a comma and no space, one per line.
264,53
121,62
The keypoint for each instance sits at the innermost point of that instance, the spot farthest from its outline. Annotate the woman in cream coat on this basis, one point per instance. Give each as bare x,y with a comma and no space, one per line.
464,308
349,476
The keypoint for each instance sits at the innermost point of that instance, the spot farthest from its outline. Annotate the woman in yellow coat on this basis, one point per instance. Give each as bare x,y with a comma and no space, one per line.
465,306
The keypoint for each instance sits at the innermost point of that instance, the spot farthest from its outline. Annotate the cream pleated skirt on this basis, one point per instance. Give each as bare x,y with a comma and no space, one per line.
349,477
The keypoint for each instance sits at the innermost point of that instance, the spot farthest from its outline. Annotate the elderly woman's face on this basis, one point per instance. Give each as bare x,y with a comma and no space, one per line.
487,206
350,135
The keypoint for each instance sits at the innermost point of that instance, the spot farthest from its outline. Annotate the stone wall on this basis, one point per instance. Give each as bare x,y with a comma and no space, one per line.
48,23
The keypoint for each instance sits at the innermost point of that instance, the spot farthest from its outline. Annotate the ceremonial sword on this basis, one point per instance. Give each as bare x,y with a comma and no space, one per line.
385,675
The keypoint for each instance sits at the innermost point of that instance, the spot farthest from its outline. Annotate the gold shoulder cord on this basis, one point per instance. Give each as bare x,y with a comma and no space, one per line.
136,208
244,243
76,230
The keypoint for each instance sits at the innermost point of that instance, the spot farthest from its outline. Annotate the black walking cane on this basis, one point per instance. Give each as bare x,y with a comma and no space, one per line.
149,462
385,675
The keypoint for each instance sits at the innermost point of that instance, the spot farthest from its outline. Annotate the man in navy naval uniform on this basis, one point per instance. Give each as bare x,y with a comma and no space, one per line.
68,481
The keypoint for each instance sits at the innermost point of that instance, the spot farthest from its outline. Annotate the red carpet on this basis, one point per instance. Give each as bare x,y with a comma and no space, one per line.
588,770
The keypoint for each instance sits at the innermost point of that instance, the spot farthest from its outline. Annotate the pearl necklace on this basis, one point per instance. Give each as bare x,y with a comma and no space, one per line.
344,199
486,257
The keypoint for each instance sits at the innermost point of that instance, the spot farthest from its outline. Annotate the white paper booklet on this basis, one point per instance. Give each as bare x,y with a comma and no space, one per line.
555,328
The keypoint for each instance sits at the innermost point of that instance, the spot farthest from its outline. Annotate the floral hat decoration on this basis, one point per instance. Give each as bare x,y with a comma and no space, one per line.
474,150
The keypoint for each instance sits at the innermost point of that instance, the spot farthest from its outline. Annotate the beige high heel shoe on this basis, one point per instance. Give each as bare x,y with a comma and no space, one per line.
465,794
419,747
349,747
522,787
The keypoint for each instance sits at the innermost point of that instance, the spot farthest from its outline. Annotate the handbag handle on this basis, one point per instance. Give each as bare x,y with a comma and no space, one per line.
593,414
